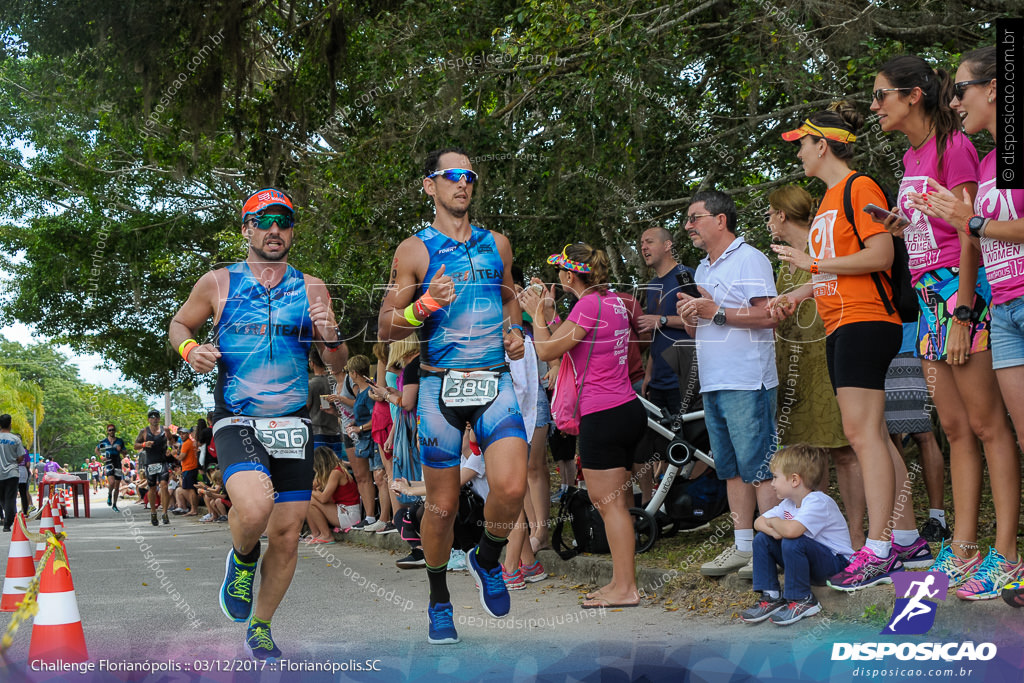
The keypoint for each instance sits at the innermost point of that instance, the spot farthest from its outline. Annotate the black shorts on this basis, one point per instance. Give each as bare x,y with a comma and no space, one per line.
239,450
156,473
608,437
859,354
115,472
189,479
563,446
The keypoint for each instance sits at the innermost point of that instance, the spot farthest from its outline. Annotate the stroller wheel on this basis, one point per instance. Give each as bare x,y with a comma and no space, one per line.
645,528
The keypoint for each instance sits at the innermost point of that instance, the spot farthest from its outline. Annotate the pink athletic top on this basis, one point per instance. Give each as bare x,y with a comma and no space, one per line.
606,378
1004,261
932,242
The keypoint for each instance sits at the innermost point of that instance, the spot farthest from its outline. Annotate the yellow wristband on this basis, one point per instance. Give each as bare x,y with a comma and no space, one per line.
185,347
181,346
410,316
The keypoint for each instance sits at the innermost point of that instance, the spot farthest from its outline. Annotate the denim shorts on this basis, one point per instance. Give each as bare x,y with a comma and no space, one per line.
543,409
741,428
1008,334
366,449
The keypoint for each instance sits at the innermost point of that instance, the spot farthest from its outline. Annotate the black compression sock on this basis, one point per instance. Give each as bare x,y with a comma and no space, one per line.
438,579
251,557
489,550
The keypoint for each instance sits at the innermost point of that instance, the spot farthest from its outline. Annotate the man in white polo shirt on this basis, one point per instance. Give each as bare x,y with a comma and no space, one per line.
736,362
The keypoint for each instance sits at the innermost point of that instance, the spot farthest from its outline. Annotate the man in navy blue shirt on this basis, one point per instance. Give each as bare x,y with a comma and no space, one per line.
661,384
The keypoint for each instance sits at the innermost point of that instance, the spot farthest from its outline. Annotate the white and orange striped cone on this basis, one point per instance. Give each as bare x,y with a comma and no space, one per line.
20,567
45,525
63,504
58,521
57,634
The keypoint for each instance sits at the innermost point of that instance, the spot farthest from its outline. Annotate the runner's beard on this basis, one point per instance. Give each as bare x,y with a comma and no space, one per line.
268,257
455,211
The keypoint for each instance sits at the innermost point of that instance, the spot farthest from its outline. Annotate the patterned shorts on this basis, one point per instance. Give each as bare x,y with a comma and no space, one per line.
937,297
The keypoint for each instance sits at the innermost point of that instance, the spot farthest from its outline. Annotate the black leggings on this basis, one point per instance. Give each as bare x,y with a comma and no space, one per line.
8,497
23,490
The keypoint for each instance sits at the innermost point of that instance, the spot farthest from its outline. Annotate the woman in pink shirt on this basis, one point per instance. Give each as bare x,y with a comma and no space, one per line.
953,330
595,335
995,222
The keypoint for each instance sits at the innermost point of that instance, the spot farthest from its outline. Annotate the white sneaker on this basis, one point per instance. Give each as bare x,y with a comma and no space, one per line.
731,559
376,526
457,561
747,570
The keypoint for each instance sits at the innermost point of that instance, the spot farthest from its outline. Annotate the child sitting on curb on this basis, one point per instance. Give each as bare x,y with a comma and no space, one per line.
805,534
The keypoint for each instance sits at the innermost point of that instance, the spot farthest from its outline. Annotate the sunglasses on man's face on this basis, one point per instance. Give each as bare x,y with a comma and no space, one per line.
284,221
961,87
455,175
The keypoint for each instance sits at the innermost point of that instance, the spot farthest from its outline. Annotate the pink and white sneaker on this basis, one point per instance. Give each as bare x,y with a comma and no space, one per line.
866,569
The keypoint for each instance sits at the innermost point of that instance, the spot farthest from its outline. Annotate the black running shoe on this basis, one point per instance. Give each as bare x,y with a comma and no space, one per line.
933,531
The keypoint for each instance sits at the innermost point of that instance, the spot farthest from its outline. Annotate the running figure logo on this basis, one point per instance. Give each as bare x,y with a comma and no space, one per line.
914,613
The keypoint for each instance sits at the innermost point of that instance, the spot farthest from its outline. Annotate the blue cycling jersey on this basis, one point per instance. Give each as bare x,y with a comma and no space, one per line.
468,332
111,452
263,337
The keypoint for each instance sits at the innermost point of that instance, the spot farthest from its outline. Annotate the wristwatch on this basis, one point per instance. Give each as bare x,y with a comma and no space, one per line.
719,318
976,226
962,313
662,321
334,344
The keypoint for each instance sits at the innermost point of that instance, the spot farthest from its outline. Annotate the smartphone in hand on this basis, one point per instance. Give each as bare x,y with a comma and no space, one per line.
687,285
881,215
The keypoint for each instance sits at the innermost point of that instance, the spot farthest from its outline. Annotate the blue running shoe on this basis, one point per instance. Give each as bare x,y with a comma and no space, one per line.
442,626
236,591
493,592
260,644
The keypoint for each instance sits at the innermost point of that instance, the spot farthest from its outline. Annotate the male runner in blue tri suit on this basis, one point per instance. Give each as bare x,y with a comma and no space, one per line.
111,449
451,282
266,316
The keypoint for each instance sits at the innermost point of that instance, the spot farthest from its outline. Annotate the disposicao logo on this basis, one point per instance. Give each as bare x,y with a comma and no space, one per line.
914,614
914,611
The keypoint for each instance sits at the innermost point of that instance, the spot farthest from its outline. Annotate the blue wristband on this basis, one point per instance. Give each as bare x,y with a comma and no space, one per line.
517,327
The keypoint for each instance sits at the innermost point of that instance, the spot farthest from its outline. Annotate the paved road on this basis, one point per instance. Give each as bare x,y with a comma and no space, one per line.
163,611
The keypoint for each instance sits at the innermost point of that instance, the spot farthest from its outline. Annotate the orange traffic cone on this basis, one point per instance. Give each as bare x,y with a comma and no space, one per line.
45,525
58,518
20,567
57,634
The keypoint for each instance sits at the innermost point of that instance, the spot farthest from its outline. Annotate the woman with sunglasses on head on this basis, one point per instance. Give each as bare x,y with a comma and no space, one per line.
863,335
612,418
953,330
807,407
993,221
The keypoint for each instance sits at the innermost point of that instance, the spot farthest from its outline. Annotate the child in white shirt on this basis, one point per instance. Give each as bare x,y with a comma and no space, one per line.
805,534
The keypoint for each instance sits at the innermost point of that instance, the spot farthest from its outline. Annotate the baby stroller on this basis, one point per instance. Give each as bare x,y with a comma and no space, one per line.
680,503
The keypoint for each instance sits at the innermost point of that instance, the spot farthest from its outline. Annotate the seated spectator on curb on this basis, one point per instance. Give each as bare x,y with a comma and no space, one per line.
805,534
216,499
335,500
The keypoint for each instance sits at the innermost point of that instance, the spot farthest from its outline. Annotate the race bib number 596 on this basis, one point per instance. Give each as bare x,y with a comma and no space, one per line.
283,437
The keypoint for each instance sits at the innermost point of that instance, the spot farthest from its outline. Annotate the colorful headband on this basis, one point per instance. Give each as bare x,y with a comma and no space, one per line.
808,128
564,261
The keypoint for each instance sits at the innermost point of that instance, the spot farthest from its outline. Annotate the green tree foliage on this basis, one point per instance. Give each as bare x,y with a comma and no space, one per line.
21,400
75,411
132,132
